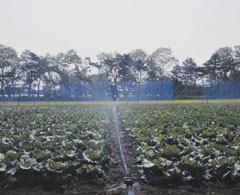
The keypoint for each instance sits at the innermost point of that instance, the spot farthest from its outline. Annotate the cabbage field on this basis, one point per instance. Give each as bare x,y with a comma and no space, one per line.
185,144
165,146
52,146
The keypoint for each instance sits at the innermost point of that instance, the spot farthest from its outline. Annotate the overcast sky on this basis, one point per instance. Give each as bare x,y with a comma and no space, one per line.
191,28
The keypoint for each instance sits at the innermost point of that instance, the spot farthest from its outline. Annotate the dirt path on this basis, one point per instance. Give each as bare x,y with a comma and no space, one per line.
116,172
129,155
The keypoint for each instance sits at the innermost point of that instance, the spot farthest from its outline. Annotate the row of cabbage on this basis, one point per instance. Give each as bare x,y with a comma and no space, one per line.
186,143
53,146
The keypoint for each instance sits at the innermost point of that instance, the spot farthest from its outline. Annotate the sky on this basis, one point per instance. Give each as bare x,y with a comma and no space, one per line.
191,28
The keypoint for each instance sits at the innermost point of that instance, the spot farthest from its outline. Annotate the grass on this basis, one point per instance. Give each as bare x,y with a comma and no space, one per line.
74,103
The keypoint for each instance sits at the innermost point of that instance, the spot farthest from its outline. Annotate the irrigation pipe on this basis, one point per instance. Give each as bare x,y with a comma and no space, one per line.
127,179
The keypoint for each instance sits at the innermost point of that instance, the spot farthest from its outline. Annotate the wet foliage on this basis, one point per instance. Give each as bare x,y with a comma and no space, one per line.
185,144
53,146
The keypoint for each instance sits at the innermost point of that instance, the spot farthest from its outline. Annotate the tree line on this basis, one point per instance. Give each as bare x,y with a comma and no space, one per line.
32,70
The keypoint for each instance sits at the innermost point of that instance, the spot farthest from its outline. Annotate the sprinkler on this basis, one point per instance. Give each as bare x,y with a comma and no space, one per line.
128,181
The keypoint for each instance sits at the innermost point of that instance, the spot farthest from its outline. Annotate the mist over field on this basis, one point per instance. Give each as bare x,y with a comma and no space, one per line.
119,97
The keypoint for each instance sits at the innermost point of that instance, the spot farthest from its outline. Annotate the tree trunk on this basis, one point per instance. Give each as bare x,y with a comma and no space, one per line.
2,82
38,88
54,89
29,91
2,88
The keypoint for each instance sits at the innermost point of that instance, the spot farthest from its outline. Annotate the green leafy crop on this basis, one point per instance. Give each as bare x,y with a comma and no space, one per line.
185,143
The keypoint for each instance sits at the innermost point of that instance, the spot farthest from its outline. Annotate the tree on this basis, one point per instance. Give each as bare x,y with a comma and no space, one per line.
161,61
237,54
53,73
71,64
140,63
221,65
13,77
185,80
104,66
33,68
189,73
117,68
127,68
212,68
80,71
236,73
177,73
227,62
152,70
8,65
